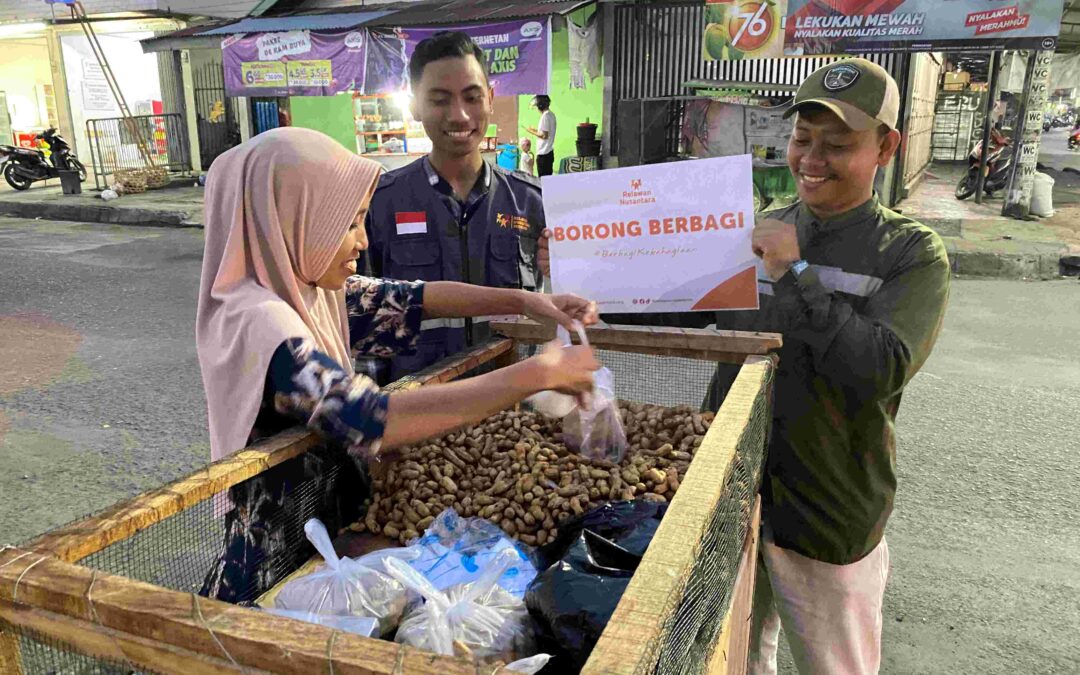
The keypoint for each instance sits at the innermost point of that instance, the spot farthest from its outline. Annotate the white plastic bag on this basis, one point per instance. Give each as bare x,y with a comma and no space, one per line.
345,587
109,195
360,625
529,666
482,616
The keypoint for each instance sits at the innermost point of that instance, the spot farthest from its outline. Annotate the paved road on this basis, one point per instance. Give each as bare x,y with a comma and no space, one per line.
101,398
1054,150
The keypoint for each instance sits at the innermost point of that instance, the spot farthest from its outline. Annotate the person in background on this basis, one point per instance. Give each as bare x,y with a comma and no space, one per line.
859,293
545,131
451,216
282,313
527,159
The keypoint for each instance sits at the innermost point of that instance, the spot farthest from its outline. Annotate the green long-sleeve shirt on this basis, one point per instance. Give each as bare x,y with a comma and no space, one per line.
857,326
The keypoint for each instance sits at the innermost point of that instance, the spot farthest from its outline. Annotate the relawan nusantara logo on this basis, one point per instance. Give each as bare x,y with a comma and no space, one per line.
636,194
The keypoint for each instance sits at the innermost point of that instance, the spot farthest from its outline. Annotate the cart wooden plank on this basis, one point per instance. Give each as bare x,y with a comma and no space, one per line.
631,642
185,621
83,538
499,351
694,343
114,646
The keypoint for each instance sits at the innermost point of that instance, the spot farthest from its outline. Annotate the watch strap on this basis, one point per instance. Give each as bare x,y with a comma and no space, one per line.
798,267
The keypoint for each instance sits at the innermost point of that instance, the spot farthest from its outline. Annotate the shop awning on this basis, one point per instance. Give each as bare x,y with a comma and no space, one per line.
418,13
280,24
445,12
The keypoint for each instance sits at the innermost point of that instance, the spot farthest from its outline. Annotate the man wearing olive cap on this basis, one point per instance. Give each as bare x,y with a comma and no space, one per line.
859,293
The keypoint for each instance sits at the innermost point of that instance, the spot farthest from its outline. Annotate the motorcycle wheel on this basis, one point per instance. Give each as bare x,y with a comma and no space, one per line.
75,165
966,187
15,180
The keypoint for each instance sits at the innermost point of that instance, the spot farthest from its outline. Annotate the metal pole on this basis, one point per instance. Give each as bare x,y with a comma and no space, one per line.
1028,133
991,100
1021,127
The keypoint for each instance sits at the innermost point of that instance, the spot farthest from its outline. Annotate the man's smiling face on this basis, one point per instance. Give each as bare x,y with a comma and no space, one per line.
453,101
834,165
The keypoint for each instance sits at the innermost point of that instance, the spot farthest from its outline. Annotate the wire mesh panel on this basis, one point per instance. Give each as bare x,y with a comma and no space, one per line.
118,143
42,655
693,629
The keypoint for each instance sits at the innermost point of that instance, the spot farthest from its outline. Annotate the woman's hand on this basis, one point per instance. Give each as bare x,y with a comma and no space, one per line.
568,370
563,309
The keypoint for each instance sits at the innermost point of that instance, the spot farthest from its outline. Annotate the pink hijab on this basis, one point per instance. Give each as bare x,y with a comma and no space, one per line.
277,209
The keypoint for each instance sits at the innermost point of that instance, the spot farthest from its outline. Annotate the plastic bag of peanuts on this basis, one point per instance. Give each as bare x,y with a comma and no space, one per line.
479,615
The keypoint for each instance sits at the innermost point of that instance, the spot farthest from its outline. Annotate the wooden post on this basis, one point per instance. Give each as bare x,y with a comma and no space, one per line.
10,654
691,343
733,646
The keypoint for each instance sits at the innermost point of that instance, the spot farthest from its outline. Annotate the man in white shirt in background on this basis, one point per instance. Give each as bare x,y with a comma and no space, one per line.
545,149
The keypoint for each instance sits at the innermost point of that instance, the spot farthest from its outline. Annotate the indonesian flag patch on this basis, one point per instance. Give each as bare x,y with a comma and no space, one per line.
411,222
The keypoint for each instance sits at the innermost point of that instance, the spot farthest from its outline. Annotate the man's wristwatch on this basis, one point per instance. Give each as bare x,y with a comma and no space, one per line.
798,267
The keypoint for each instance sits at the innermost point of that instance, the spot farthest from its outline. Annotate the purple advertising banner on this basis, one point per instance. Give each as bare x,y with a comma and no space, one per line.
295,63
375,61
518,52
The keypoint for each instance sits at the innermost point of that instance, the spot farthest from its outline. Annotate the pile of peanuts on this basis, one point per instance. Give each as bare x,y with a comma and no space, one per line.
513,470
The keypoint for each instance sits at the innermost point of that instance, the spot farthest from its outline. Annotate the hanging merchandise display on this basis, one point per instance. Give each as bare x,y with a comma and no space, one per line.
586,54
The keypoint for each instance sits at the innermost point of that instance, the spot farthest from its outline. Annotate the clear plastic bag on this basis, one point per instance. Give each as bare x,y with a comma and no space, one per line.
552,403
345,587
529,666
595,430
455,550
487,620
360,625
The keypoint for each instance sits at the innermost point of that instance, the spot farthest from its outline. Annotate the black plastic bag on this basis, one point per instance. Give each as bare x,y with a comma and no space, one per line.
588,568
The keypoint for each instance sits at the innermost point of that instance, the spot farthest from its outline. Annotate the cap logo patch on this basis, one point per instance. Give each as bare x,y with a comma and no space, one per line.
840,77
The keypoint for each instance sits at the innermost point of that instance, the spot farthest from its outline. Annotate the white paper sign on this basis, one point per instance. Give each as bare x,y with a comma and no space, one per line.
272,46
658,238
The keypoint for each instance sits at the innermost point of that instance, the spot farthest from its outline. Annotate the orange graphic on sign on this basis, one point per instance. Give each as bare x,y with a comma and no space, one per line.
732,293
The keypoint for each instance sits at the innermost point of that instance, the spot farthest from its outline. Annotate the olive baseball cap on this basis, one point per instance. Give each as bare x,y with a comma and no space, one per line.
860,92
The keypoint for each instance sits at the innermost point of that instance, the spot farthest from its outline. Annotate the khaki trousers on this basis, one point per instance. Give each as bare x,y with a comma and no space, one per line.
831,614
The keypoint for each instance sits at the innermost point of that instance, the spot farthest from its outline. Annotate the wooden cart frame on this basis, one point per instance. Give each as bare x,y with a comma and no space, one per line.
45,594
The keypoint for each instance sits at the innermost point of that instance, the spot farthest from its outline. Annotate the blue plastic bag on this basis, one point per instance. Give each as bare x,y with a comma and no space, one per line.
455,550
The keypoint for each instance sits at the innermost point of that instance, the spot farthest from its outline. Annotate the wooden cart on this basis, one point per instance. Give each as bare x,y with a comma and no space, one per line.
65,608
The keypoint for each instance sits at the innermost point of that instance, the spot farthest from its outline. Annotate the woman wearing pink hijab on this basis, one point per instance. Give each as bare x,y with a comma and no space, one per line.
281,316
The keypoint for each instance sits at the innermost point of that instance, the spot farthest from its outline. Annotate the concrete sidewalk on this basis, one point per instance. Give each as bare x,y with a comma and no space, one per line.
982,242
177,205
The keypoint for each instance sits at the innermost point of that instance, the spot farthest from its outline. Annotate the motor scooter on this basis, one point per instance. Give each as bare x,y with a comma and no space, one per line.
998,163
24,166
